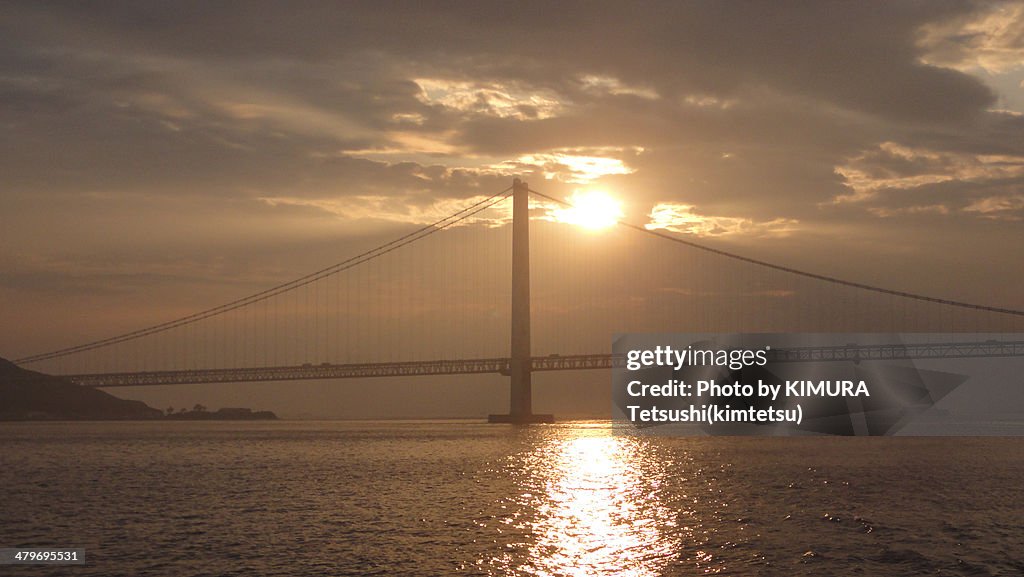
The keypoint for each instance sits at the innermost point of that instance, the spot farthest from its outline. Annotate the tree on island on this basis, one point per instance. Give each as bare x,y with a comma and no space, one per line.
169,411
199,408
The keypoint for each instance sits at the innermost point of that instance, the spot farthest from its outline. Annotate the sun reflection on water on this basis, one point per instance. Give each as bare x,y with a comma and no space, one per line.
595,509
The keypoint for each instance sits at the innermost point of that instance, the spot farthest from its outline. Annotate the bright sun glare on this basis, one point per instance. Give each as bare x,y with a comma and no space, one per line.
591,209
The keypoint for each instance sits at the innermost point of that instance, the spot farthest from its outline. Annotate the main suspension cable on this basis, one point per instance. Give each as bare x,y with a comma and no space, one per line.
803,273
361,258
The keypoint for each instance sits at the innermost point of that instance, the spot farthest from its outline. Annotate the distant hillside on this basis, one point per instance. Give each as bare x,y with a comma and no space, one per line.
31,396
28,395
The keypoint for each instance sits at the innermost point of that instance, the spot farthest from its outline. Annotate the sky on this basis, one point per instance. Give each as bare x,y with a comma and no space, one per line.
158,159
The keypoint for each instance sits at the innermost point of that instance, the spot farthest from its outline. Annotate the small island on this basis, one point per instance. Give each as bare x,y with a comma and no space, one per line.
32,396
199,413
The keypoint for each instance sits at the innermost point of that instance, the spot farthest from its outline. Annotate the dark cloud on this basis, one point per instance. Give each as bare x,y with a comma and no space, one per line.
263,99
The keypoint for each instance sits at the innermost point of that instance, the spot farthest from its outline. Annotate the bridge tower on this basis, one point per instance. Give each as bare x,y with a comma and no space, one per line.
520,366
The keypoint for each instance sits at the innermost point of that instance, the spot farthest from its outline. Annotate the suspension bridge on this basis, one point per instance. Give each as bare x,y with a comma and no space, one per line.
429,304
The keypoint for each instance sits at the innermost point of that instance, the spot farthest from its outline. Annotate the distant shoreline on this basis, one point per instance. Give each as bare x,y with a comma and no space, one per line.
42,417
240,414
32,396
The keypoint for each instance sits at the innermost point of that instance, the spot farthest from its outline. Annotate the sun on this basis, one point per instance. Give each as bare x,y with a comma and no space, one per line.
591,209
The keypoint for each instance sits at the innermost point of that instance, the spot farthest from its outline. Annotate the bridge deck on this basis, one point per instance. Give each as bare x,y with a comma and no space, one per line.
851,352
